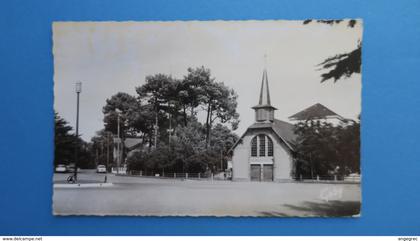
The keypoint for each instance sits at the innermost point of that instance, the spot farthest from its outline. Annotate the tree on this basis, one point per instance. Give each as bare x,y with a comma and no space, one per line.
349,147
193,89
322,147
65,144
128,107
221,140
218,100
168,103
221,105
101,147
160,92
64,141
345,64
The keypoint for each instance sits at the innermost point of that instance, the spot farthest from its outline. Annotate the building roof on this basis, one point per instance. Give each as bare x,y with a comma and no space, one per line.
282,129
131,143
316,111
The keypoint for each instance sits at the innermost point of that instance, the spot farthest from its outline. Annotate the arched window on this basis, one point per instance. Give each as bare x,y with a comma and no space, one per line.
269,147
262,145
254,146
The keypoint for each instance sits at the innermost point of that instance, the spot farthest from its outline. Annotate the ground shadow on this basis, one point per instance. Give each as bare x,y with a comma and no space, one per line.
316,209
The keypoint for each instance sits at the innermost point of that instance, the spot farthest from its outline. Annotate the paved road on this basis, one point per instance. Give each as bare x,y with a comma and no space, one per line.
167,197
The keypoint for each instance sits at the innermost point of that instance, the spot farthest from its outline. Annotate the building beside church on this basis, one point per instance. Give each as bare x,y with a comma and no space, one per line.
265,151
318,112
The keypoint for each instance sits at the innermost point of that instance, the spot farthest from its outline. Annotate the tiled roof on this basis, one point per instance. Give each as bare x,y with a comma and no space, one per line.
132,142
283,130
314,112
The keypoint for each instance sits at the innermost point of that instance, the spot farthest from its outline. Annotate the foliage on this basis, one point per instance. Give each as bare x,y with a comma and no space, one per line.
344,65
171,106
217,100
101,147
186,152
322,147
128,106
341,65
66,144
64,141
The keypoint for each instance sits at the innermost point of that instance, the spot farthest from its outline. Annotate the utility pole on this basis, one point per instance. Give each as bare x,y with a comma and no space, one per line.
119,143
76,157
107,152
170,130
221,159
156,129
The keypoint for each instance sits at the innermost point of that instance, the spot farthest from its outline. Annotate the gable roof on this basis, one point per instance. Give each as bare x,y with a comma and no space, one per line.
282,129
316,111
131,143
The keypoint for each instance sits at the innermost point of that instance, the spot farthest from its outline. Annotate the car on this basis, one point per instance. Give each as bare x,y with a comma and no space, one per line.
61,168
101,169
353,177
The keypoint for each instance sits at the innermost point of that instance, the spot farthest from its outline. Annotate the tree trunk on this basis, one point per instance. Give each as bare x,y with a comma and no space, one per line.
185,115
192,111
208,125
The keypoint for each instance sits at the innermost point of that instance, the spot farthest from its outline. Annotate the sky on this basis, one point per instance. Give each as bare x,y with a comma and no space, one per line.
112,57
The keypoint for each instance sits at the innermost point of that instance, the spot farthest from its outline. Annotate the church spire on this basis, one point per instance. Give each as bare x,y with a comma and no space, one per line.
264,112
265,91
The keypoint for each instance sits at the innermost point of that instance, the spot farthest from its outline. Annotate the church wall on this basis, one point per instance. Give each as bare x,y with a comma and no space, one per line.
242,159
283,162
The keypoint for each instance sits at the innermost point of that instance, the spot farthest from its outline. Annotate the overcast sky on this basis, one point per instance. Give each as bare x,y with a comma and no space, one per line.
109,57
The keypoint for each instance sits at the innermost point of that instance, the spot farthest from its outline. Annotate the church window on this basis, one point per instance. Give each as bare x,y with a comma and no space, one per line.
262,145
269,147
254,146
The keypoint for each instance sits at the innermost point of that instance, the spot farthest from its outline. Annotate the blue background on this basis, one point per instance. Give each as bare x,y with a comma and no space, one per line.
390,117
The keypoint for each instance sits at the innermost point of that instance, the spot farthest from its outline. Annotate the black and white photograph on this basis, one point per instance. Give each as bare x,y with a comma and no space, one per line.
256,118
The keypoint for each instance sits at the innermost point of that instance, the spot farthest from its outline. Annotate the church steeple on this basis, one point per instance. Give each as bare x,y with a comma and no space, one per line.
265,92
264,112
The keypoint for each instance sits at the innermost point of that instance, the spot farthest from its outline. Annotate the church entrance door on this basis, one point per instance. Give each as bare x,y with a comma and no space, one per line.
255,172
262,172
268,172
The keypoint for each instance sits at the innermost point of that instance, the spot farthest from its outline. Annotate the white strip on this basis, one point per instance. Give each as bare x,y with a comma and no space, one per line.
82,185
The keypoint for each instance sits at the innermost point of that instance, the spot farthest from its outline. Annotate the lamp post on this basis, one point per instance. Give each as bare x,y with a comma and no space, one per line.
107,153
119,141
78,91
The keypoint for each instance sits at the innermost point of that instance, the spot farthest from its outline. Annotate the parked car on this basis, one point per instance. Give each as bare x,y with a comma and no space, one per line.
61,168
101,169
353,177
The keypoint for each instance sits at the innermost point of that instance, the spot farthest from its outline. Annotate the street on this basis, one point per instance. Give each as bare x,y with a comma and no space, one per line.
148,196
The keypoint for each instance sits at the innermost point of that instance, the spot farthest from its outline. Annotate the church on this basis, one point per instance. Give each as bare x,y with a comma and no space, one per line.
265,151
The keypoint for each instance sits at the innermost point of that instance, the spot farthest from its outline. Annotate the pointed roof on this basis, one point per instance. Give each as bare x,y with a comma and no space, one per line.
264,100
283,129
316,111
131,143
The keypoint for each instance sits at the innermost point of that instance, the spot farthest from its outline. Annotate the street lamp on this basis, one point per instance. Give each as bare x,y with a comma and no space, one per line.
78,90
107,152
119,141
